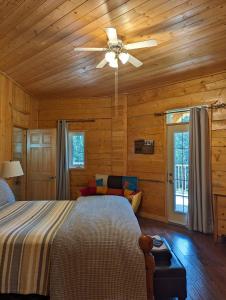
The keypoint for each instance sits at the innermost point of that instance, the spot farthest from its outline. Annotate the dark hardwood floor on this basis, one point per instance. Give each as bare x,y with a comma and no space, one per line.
204,260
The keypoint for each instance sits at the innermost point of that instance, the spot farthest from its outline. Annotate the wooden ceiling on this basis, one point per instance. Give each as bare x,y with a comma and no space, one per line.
37,38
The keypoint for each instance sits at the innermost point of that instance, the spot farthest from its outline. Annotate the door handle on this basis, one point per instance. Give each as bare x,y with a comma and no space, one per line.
52,177
171,181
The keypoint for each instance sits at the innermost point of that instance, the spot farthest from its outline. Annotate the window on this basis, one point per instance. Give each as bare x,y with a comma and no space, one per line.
181,171
178,117
76,150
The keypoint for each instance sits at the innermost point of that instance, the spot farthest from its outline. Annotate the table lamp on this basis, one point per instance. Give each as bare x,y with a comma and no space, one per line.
11,169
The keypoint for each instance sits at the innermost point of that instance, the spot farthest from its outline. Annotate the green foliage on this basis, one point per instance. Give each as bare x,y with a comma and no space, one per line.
78,151
181,148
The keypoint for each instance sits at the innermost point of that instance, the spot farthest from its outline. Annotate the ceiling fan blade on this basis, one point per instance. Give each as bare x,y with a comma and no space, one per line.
134,61
90,49
101,64
144,44
112,34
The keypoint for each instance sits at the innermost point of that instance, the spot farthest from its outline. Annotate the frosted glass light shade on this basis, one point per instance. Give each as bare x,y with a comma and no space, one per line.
110,56
124,57
114,63
11,169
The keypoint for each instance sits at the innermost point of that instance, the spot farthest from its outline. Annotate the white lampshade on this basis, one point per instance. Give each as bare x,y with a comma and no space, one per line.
11,169
114,63
124,57
110,56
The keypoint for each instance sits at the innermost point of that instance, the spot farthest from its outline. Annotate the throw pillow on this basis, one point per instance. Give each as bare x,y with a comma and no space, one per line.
115,182
128,193
101,190
135,201
129,182
104,177
88,191
100,182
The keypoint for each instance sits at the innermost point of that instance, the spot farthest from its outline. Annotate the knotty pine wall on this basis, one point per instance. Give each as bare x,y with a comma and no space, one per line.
110,138
151,169
105,133
17,108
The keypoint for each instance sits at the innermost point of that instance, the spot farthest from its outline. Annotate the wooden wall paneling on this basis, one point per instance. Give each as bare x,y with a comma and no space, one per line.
15,110
50,110
5,118
218,140
143,123
119,136
150,169
94,117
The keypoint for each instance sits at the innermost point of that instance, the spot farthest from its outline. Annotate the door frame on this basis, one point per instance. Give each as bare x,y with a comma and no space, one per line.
25,130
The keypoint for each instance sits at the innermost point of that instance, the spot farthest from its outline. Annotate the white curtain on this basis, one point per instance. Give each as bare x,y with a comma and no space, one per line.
200,216
62,180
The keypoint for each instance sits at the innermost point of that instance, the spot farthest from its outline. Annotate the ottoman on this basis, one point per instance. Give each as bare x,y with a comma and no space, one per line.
169,278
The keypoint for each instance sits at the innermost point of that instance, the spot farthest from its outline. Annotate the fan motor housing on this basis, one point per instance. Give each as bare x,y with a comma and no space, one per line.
116,46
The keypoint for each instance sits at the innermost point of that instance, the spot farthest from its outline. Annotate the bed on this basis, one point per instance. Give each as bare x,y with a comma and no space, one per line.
84,249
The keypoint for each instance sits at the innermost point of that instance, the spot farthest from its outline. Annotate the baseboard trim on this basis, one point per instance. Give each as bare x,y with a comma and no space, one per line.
153,217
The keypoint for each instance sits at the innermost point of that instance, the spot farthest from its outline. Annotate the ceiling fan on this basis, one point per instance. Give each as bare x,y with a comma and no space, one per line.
116,51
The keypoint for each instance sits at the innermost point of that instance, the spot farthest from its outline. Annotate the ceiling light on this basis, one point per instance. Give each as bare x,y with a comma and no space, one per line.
124,57
110,56
114,63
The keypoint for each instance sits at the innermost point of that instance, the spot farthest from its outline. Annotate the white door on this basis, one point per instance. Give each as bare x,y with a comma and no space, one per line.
178,172
41,164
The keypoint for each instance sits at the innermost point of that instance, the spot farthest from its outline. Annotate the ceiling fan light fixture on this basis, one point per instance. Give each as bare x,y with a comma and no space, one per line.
110,56
124,57
114,63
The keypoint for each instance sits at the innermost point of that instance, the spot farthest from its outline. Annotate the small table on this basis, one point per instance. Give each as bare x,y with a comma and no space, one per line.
170,278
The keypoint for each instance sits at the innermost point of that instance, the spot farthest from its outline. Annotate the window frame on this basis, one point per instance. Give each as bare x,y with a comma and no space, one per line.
177,112
70,134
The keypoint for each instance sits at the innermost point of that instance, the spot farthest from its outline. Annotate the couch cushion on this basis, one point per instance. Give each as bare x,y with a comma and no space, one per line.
6,194
116,192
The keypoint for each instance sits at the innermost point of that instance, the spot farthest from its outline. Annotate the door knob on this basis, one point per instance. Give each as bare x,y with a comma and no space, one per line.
171,181
52,177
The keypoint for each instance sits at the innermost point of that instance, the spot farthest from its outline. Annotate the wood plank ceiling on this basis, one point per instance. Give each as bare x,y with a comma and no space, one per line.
37,38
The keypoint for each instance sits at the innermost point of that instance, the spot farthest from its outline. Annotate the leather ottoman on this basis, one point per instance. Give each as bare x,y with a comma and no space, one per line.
170,278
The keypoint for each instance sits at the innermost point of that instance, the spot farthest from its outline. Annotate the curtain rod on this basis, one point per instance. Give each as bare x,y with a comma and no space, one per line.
84,120
215,105
80,120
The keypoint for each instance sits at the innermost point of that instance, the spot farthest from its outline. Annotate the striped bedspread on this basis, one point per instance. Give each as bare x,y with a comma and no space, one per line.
27,230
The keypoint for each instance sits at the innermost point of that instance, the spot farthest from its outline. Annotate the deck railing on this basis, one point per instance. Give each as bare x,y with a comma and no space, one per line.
181,178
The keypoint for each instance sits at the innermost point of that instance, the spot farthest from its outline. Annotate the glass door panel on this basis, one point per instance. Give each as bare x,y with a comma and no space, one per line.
178,172
181,171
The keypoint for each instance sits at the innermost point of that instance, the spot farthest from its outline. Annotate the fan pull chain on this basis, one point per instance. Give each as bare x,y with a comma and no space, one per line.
116,92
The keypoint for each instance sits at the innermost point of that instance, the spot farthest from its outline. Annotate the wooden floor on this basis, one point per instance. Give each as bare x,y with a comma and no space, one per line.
205,261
